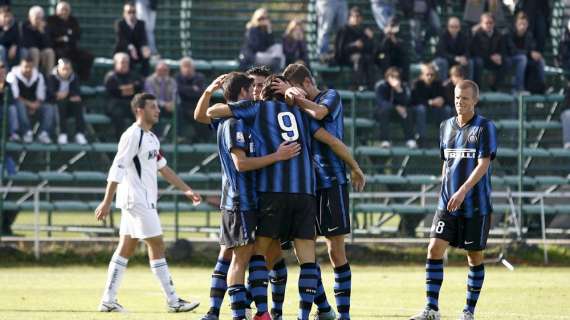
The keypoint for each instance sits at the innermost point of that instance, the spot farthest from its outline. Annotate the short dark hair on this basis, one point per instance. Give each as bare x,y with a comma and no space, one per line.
392,71
27,58
457,70
296,73
355,10
521,16
233,84
267,93
140,99
263,71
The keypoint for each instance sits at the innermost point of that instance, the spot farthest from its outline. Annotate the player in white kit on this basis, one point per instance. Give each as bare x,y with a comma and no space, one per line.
133,175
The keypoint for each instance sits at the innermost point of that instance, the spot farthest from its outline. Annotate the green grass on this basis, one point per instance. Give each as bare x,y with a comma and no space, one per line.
378,293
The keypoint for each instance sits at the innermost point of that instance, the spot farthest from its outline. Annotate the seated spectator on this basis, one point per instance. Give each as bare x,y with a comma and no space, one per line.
563,58
164,88
391,52
121,85
64,93
190,85
259,46
392,100
131,39
294,45
424,22
428,101
29,93
538,14
65,33
383,11
526,60
9,36
36,42
12,113
452,49
456,74
354,46
488,49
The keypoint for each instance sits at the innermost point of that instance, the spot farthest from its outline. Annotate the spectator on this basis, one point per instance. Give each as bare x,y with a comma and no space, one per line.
331,17
65,33
146,11
392,100
63,92
383,11
29,93
131,39
428,101
9,36
354,46
12,113
453,49
538,14
424,22
564,51
456,74
35,41
565,119
294,44
164,88
474,9
191,85
391,52
121,85
259,45
488,48
526,60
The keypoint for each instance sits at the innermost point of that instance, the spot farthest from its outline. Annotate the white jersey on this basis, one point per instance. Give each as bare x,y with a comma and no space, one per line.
135,168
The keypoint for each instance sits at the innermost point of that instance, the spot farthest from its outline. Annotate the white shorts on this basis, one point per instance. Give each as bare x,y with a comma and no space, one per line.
140,223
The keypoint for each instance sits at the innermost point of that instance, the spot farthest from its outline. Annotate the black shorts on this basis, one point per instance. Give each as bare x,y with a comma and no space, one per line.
333,218
466,233
237,228
286,216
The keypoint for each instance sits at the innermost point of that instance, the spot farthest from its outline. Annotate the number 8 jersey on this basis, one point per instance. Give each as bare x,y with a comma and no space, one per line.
272,123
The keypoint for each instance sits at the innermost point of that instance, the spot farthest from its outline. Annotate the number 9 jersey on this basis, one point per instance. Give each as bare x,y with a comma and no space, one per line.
272,123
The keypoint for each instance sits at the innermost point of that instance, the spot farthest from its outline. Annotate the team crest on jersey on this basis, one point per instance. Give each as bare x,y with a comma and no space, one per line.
240,137
472,138
152,154
460,153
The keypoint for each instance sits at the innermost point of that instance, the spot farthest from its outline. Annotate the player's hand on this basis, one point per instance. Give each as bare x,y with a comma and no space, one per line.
287,150
456,200
102,211
280,86
216,84
358,179
195,197
293,92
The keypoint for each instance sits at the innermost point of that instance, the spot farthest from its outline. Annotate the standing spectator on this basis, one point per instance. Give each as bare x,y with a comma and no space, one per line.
391,52
331,16
65,33
392,100
146,11
35,41
525,58
63,92
9,36
474,9
456,74
121,85
259,46
294,44
538,14
564,51
424,22
453,49
29,93
354,46
428,101
383,11
131,39
191,84
488,48
161,85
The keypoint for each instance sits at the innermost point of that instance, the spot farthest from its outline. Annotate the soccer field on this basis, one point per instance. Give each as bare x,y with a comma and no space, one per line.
378,293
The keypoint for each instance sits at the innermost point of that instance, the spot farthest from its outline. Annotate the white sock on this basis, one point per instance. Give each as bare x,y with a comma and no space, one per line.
160,269
117,267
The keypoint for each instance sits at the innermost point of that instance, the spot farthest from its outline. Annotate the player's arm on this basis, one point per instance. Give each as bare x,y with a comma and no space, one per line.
341,150
313,109
171,177
219,110
244,163
104,207
204,101
480,170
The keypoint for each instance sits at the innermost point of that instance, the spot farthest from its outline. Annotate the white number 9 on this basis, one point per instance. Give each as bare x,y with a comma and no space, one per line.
291,132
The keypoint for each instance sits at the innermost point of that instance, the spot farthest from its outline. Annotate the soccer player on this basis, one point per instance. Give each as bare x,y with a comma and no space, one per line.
333,217
239,199
133,176
468,145
287,206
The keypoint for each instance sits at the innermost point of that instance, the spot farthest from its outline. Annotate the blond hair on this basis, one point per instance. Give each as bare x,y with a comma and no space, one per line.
291,26
254,21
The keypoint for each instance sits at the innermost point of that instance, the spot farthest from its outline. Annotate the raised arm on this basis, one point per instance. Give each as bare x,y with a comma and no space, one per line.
219,110
204,101
244,163
313,109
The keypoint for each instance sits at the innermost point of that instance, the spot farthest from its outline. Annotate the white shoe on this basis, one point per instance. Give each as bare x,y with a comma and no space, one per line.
466,315
14,137
28,137
80,138
412,144
111,307
385,144
43,137
567,145
183,306
427,314
62,138
248,314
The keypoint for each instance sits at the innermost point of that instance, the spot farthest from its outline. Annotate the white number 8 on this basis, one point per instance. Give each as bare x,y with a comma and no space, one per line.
292,128
440,226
